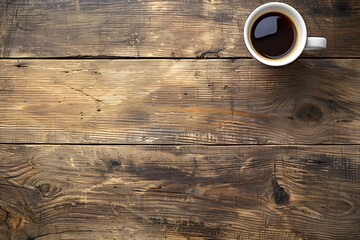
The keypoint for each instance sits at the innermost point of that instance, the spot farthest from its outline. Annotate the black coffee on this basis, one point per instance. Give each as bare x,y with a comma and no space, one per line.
273,35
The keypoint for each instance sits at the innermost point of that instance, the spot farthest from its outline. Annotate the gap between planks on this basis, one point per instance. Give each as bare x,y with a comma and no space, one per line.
85,57
179,145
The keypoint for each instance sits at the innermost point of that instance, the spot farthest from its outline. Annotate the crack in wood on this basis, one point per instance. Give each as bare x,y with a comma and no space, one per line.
206,53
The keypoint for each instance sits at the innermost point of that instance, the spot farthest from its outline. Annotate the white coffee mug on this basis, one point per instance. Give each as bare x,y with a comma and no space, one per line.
302,42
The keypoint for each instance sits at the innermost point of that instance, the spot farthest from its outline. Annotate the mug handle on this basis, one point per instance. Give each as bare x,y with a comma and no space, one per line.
315,43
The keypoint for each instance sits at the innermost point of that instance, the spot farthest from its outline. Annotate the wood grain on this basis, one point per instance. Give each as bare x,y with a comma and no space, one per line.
179,192
183,102
177,28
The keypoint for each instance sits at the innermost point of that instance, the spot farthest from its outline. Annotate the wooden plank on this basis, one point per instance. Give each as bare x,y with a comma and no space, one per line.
179,192
177,28
188,101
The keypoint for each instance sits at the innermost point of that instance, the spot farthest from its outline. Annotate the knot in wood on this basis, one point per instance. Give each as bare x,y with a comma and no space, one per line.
43,189
309,113
113,165
281,196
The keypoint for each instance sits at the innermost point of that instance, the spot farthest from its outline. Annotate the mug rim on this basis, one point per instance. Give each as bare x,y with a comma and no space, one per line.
299,25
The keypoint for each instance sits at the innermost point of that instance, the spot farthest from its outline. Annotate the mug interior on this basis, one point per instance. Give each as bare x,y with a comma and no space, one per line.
299,25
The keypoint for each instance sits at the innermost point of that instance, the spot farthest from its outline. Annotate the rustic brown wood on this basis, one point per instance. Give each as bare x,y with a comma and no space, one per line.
177,28
187,101
54,185
179,192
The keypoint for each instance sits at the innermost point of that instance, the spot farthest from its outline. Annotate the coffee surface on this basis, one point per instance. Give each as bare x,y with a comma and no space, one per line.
273,35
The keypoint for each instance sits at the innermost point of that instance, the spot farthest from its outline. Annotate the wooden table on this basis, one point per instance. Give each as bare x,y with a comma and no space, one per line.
142,119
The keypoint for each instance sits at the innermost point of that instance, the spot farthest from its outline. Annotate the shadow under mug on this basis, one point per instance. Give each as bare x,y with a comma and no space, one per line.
303,42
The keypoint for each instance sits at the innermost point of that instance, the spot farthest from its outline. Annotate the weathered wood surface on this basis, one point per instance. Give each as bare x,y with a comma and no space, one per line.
177,28
187,101
179,192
